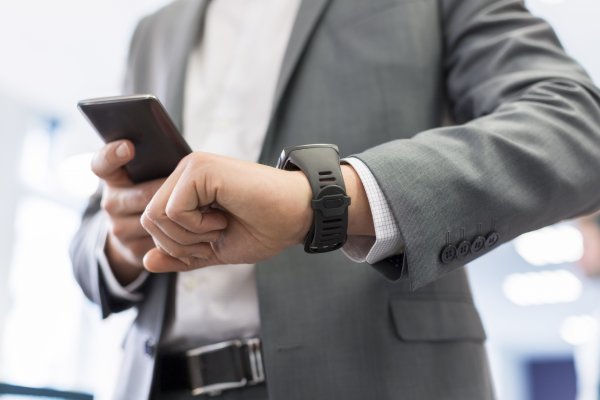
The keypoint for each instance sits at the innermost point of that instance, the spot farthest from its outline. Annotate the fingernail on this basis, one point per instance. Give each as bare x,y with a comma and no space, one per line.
122,150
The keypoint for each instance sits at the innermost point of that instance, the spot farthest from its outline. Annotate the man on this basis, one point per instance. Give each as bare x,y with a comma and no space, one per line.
246,79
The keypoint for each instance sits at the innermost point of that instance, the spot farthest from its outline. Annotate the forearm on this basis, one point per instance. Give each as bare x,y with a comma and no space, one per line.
360,220
91,268
525,156
531,163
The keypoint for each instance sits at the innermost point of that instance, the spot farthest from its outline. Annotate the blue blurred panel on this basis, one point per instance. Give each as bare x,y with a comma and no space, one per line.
22,393
551,379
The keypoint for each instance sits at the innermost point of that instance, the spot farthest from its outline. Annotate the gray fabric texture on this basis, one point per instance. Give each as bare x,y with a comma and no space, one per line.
377,77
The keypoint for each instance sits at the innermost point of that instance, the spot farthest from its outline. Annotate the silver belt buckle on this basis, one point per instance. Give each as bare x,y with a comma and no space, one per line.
194,364
256,362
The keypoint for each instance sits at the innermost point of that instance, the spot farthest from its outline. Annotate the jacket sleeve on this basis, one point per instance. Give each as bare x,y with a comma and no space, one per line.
524,154
83,251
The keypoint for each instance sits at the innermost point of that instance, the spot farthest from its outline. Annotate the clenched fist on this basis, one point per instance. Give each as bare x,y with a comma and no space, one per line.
216,210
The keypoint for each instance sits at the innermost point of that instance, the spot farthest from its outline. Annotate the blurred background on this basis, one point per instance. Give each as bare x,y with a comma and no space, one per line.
540,312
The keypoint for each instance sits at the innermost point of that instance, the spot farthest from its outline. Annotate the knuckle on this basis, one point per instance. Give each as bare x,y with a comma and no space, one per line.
96,163
133,201
105,162
117,230
101,161
172,212
145,194
198,160
145,221
108,204
191,158
152,215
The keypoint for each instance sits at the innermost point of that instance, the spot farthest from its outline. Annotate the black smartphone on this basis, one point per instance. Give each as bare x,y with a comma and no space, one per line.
144,121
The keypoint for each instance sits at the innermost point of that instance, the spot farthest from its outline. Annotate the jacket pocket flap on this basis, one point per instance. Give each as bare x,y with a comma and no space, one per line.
436,320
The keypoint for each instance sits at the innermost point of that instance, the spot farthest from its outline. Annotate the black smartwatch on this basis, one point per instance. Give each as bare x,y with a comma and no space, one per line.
321,165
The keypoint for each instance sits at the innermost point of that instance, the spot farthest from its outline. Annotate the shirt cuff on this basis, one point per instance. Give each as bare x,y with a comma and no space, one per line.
387,241
127,292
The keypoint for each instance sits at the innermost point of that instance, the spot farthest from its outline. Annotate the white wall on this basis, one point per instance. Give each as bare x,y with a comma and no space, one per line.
13,121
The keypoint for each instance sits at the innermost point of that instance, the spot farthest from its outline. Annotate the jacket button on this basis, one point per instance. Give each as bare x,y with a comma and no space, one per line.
478,244
448,254
491,239
463,248
149,347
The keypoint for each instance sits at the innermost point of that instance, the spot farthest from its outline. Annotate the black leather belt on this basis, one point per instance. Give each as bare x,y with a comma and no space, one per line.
212,369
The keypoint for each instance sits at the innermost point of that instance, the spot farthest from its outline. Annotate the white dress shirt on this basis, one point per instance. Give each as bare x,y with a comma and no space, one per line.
229,92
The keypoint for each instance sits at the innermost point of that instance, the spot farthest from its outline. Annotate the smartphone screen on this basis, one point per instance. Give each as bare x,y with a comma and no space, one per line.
144,121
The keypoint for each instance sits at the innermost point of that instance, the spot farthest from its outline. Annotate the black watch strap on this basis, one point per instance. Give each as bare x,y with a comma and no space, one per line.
321,165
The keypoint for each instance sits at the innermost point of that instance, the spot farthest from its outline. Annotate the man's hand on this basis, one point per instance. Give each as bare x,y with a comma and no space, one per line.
123,202
215,210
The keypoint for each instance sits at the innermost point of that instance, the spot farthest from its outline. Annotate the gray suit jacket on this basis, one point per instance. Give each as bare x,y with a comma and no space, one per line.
376,77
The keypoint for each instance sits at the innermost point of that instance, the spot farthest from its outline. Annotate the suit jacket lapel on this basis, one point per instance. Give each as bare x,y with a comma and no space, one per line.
309,14
306,20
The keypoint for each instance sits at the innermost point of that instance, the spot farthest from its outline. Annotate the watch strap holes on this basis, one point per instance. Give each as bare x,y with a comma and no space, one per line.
327,179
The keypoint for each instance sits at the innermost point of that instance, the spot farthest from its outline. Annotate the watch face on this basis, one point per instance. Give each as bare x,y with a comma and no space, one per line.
285,153
313,146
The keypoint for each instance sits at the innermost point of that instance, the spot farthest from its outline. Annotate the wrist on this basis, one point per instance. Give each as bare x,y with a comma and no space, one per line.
304,214
360,219
125,270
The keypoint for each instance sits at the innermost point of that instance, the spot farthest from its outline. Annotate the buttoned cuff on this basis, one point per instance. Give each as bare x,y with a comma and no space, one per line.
387,241
127,292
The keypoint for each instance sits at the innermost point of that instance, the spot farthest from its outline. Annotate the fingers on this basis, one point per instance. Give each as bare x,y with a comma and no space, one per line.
158,261
127,229
140,247
183,207
214,224
182,230
132,200
132,251
107,163
175,210
194,244
182,202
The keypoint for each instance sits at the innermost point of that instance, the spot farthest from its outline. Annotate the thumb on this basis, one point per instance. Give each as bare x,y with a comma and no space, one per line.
108,162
